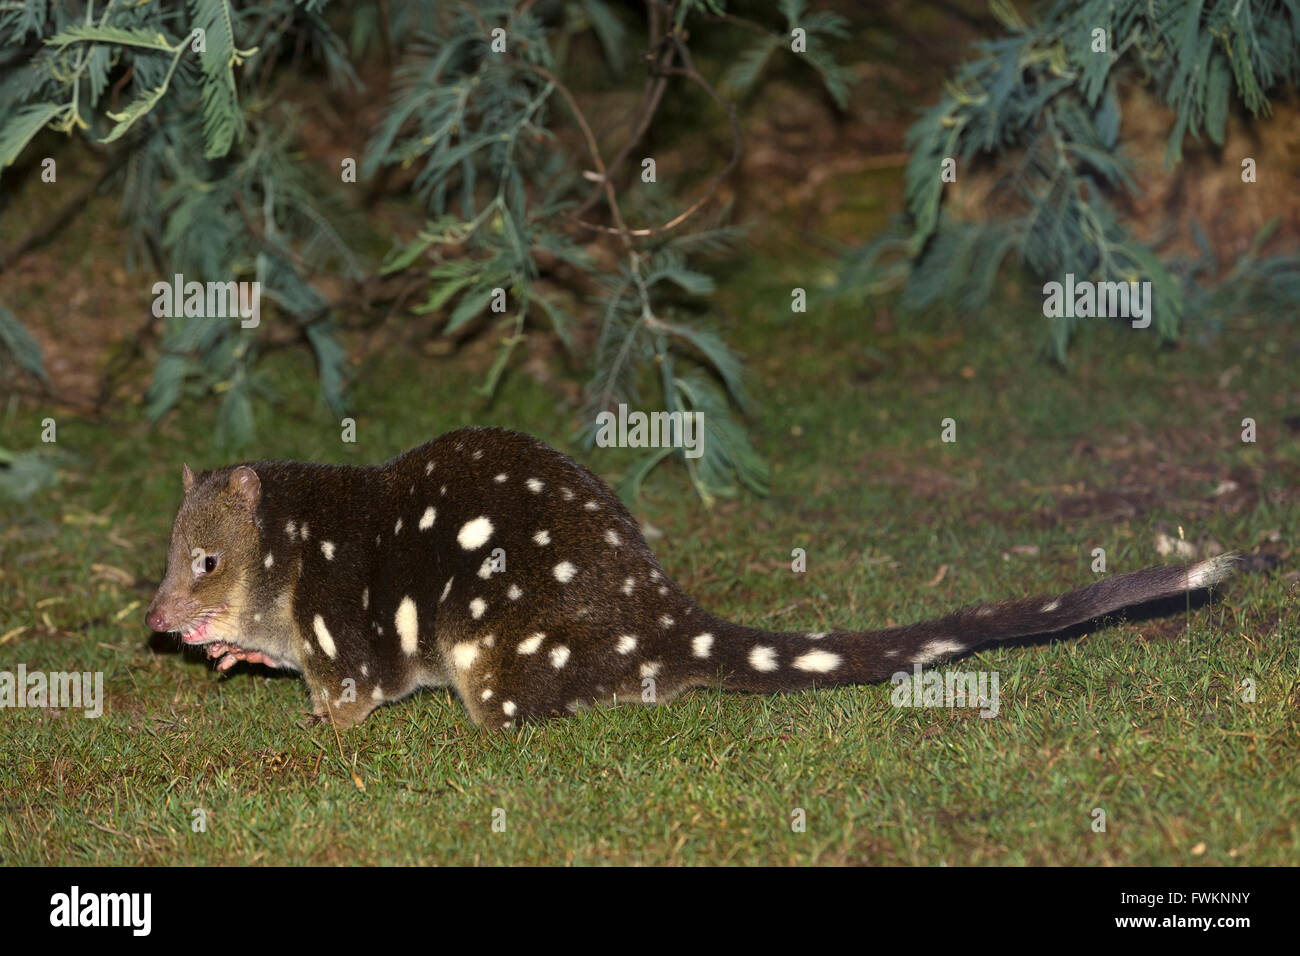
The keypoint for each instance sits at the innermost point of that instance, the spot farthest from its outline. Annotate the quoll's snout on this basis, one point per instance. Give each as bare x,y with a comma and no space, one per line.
155,620
167,612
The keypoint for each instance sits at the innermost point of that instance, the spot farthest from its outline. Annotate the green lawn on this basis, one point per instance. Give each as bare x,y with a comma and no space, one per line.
1144,720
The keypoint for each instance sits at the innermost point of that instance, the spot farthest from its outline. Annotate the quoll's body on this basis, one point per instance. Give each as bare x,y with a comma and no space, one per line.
490,562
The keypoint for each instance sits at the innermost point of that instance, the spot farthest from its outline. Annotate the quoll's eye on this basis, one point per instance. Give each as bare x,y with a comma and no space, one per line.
209,564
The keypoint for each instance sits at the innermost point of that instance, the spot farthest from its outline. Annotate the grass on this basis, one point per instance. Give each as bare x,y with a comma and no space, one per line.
1144,720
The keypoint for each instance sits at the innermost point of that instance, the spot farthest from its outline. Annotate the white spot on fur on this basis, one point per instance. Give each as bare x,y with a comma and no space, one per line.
626,644
1048,608
529,645
514,592
268,560
534,485
486,695
566,494
762,658
478,453
303,531
397,528
564,572
446,589
508,708
559,656
463,655
816,635
476,608
377,694
474,534
427,519
542,538
290,529
486,568
501,477
428,469
612,538
323,636
937,649
365,599
819,662
365,670
665,620
628,585
650,668
591,505
702,644
327,549
663,590
408,626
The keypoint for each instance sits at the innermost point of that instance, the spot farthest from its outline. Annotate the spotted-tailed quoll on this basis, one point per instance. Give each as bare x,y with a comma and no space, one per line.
490,562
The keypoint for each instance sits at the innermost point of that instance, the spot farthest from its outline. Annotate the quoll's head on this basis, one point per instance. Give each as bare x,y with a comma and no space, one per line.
214,543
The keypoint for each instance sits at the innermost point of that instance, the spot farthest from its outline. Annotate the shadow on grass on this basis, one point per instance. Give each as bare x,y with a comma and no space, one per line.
1160,609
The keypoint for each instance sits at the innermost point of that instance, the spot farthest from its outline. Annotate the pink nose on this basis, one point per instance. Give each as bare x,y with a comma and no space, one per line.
156,621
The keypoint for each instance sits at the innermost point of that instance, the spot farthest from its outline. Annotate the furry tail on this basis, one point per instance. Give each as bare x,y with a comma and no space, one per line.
749,659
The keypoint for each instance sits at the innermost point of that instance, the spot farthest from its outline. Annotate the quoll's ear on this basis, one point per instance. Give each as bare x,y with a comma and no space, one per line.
187,478
245,485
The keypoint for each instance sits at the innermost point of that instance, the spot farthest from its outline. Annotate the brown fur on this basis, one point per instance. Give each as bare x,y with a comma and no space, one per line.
314,573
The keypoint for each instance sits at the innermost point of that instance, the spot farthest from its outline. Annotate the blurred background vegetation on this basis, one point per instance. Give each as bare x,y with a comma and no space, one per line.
445,176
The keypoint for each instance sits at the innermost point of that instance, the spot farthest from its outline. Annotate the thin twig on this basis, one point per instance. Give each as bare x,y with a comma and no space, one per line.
652,95
686,70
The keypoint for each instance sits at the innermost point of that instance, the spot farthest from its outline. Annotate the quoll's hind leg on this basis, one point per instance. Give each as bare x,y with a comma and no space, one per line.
506,679
491,677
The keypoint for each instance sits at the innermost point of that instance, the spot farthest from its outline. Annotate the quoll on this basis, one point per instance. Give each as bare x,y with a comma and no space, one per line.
488,561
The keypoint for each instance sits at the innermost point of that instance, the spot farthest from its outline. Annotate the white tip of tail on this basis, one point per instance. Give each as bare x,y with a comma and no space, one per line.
1206,573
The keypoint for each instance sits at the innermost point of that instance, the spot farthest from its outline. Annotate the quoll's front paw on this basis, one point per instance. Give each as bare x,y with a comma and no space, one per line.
228,655
340,713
